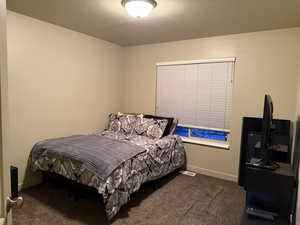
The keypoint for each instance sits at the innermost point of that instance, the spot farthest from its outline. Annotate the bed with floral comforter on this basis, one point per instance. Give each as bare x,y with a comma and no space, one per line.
162,155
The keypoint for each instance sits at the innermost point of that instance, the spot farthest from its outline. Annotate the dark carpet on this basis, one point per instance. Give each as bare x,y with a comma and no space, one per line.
175,199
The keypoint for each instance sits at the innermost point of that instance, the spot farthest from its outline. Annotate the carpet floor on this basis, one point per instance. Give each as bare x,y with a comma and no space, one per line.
175,199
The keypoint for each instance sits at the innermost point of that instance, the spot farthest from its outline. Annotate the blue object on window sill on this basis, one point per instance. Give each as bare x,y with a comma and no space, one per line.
201,133
209,134
182,131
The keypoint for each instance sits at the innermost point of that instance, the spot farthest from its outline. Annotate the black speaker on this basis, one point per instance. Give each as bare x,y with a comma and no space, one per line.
14,182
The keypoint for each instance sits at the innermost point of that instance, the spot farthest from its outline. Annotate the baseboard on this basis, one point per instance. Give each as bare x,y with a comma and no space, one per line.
208,172
213,173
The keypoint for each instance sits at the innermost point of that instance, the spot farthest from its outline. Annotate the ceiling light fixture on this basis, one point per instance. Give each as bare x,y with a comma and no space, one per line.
139,8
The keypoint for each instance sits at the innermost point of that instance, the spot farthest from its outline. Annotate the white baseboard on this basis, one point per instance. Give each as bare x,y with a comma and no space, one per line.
213,173
208,172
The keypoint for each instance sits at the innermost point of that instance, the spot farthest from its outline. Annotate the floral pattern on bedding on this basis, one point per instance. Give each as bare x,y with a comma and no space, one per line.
136,124
149,127
161,157
122,123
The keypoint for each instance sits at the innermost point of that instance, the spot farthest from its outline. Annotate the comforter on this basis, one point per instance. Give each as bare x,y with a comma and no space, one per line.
152,159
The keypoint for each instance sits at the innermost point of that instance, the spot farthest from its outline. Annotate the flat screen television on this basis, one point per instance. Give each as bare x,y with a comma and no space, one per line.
267,127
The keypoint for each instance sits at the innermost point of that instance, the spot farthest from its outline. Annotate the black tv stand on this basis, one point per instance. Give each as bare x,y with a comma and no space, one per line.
269,193
263,164
268,190
280,146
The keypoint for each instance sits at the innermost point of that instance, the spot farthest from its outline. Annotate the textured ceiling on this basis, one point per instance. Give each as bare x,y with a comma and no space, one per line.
172,19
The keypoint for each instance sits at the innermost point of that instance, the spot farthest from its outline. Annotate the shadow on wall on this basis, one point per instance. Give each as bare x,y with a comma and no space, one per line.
297,145
296,166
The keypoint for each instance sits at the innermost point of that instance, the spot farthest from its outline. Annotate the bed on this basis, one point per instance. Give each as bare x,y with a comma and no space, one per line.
132,150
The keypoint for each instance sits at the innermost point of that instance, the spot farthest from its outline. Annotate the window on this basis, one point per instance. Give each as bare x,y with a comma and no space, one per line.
199,94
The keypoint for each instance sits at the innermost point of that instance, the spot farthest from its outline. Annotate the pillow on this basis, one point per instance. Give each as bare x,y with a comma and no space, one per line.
149,127
170,120
113,123
122,123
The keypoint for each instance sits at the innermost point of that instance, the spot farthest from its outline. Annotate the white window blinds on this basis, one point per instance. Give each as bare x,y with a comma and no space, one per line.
198,94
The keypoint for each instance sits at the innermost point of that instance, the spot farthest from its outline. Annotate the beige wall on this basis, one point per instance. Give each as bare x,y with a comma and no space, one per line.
60,83
4,181
267,62
297,144
2,62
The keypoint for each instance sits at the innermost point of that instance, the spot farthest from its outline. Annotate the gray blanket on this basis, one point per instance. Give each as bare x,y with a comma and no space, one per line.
101,155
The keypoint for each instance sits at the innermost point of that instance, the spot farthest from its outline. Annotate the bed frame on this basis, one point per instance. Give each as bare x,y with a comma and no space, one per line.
75,189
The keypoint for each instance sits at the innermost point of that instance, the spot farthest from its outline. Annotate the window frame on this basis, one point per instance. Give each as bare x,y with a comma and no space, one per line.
200,61
196,140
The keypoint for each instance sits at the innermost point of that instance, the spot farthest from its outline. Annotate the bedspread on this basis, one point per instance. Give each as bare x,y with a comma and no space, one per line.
161,157
100,155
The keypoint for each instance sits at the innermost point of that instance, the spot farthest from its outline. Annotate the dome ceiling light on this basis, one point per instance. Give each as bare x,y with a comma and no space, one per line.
139,8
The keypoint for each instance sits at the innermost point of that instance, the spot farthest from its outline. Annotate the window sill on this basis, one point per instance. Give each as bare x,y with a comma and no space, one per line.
215,144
